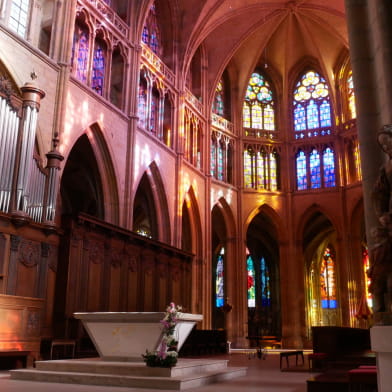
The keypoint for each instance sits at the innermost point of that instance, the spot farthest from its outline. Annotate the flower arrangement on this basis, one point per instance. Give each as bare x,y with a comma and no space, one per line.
166,355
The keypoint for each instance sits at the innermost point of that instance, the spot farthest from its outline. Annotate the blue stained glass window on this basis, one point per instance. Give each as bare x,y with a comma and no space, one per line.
302,182
311,101
220,160
98,75
313,120
329,168
213,157
82,59
299,118
325,114
265,284
154,115
314,163
251,283
219,281
151,35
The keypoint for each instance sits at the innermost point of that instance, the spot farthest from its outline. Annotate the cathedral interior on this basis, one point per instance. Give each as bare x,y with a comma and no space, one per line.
150,154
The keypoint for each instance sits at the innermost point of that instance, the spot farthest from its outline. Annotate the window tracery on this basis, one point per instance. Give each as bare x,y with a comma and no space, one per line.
311,106
258,107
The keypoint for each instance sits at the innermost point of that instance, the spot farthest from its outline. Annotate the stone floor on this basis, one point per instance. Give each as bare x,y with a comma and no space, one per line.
264,375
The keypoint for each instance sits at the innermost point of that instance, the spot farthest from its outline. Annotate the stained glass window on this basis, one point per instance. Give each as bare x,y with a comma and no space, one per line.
327,281
314,163
260,167
213,156
273,171
311,103
154,114
248,177
142,102
265,284
81,51
258,108
151,35
219,281
329,167
357,161
302,182
98,71
251,282
218,105
221,149
19,16
351,96
366,266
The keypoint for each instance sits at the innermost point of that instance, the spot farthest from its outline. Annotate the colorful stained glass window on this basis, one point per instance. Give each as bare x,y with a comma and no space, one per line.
357,162
311,104
351,96
142,102
98,71
314,164
19,13
81,51
329,168
260,170
366,266
327,281
213,157
221,149
251,282
273,171
151,34
218,105
265,283
258,108
219,281
302,182
248,176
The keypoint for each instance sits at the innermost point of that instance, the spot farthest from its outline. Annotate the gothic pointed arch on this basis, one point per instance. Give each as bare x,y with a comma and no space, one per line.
150,207
88,182
263,272
321,262
191,239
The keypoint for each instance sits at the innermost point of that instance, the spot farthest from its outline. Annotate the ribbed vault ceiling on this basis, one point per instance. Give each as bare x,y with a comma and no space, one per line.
241,34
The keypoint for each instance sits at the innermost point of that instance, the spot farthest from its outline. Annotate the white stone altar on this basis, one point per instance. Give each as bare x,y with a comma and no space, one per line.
381,341
125,336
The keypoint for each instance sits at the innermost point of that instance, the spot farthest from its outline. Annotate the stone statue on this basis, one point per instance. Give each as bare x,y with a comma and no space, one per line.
380,253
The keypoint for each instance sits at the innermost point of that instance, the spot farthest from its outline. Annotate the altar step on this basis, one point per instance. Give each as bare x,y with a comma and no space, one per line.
188,373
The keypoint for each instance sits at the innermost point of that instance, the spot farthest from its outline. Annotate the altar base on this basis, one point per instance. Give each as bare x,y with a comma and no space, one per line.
188,373
381,343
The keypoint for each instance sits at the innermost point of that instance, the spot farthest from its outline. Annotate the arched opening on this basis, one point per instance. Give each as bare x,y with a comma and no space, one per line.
262,261
144,211
81,185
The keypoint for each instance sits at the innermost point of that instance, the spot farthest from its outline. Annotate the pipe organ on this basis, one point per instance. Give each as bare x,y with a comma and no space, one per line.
27,190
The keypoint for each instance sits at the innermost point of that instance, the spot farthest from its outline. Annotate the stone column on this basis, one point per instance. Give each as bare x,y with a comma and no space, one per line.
366,96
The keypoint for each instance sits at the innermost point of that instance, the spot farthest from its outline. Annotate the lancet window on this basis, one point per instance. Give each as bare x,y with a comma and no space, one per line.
218,106
80,52
258,108
192,139
258,283
315,169
328,280
221,156
261,168
312,109
219,279
98,69
151,35
351,96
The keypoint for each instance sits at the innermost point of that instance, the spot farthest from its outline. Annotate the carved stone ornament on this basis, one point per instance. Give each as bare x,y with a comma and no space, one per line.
116,257
96,252
29,252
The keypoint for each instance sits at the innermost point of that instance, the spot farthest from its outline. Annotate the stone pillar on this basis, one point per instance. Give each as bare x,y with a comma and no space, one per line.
366,96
